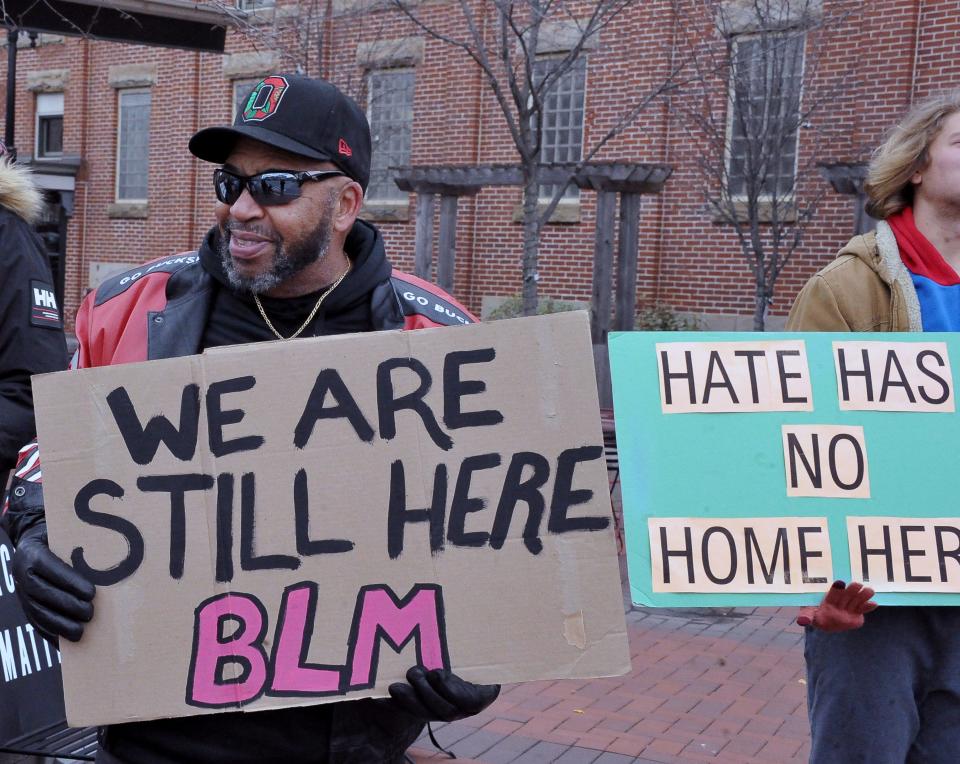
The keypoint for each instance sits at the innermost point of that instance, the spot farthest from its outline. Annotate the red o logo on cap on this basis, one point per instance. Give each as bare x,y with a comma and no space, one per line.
265,99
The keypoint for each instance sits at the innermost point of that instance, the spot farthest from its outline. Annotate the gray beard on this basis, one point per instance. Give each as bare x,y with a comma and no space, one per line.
287,262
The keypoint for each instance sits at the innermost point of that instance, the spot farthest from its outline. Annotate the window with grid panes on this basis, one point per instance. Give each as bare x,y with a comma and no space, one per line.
49,129
764,113
133,145
562,139
390,111
253,5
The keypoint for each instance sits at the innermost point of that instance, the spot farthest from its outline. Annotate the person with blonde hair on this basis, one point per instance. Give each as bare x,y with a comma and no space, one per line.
883,684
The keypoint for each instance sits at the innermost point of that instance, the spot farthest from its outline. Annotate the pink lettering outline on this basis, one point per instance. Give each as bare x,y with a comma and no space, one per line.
380,614
292,675
205,687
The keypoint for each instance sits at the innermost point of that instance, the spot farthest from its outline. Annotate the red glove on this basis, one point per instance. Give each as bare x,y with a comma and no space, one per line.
842,608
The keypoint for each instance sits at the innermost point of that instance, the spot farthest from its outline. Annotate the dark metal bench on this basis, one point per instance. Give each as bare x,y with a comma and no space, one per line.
610,447
612,458
56,741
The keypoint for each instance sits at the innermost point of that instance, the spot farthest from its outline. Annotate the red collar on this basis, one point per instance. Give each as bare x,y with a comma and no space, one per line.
917,253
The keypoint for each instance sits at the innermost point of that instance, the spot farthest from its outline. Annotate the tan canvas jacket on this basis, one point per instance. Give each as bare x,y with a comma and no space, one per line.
865,289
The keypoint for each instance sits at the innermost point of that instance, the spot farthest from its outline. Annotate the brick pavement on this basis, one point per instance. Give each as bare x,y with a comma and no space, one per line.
706,686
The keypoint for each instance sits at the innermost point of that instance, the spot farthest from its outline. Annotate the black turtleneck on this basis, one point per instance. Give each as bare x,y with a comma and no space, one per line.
234,318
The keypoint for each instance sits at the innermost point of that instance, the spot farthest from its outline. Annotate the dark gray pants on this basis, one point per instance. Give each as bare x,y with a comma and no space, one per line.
888,693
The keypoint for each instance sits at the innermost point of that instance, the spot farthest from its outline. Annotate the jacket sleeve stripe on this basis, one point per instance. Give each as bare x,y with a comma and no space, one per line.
32,476
420,298
28,469
28,464
120,283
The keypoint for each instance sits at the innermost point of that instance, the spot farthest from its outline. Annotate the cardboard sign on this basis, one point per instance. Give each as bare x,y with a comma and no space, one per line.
758,468
291,523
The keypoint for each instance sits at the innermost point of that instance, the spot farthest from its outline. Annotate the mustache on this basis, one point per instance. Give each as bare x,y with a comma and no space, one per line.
257,230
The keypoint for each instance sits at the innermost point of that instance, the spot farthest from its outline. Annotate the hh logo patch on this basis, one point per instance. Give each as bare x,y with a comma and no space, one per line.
43,306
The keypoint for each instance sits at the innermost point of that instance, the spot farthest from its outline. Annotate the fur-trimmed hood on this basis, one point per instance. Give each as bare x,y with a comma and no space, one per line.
18,193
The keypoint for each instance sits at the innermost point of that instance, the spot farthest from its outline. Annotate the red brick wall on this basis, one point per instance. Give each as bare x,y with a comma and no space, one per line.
877,61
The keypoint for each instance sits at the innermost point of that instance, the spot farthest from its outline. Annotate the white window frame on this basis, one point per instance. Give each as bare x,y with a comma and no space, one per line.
572,193
116,190
731,96
48,105
400,197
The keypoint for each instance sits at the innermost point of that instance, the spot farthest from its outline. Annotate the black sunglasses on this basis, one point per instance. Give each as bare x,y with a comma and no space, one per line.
267,188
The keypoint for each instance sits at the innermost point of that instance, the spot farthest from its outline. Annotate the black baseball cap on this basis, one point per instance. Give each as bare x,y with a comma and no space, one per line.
304,116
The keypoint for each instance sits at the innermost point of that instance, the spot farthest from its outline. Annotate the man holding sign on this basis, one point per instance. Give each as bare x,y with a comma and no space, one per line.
287,258
884,684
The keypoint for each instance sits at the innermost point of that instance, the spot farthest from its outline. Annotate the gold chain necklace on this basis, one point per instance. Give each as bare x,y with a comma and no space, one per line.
313,312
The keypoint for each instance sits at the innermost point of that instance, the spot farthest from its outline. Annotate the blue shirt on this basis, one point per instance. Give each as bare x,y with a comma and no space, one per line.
939,304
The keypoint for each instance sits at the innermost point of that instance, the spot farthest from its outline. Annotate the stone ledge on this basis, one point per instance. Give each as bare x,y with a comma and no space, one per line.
48,81
386,54
361,7
132,75
562,36
259,17
787,213
128,210
735,17
44,38
290,15
385,212
567,212
240,65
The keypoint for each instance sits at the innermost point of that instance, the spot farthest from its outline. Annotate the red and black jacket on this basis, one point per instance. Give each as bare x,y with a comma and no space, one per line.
160,309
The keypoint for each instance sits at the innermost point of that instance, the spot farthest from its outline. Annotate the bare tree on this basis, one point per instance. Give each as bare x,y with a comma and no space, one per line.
503,38
756,111
295,33
290,30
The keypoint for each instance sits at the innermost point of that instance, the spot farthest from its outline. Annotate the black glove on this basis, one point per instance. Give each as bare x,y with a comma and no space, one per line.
56,599
439,695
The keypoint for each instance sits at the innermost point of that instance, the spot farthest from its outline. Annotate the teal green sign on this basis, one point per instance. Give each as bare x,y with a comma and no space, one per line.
757,468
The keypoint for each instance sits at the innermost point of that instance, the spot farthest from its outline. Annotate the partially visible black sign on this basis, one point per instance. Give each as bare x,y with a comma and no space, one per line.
31,691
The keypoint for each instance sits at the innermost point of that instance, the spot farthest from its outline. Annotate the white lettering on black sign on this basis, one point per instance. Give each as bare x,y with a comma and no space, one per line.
23,652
